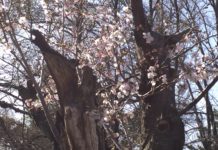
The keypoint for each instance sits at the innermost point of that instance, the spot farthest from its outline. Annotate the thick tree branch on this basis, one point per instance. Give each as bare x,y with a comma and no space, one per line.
173,39
9,85
177,15
76,102
140,19
140,22
25,93
10,106
142,26
62,70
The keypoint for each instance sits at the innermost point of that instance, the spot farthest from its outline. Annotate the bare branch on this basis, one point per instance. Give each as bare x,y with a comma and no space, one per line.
205,91
40,95
10,106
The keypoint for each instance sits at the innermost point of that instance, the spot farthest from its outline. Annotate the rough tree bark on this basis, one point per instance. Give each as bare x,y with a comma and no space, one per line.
75,121
163,127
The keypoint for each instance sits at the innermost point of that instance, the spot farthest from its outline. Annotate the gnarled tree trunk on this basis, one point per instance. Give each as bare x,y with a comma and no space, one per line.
163,126
76,120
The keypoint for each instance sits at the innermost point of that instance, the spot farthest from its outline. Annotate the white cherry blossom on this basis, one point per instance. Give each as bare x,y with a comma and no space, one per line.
148,37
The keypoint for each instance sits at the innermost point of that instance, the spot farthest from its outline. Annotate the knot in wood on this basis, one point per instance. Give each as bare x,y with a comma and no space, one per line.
163,125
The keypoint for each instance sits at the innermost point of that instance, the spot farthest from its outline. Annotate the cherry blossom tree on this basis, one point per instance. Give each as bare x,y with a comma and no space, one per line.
118,74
